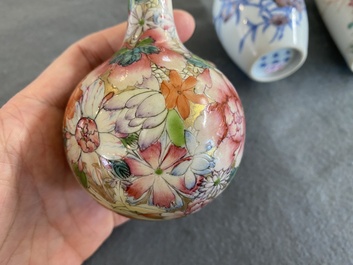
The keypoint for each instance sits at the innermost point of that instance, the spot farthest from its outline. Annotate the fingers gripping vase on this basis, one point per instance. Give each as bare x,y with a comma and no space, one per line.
155,132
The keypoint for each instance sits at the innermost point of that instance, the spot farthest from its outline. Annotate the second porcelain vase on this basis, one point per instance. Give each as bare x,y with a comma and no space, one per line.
155,132
267,39
338,17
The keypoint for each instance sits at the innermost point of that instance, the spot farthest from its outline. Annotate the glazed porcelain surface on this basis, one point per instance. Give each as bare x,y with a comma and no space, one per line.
267,39
338,17
155,132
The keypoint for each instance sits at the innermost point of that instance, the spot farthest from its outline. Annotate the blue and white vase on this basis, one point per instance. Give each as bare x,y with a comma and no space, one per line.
338,17
267,39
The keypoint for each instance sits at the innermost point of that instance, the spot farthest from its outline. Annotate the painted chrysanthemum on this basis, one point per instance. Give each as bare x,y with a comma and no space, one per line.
141,19
90,132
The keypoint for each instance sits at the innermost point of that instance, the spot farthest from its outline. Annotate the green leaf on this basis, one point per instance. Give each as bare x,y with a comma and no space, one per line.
350,25
118,54
122,51
199,62
121,169
127,57
130,141
175,128
150,49
144,42
81,176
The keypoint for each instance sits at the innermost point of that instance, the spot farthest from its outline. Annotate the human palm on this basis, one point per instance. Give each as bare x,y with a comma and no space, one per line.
45,216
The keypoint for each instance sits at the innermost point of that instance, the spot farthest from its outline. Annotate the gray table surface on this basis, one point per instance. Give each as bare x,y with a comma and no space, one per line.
292,201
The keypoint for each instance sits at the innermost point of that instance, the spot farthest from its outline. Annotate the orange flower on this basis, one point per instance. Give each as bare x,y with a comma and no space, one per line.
178,93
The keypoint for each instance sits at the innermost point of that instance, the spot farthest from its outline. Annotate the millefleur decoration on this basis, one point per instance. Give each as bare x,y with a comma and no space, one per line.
155,132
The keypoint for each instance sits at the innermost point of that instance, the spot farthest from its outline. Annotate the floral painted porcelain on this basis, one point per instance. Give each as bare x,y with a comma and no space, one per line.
267,39
338,17
155,132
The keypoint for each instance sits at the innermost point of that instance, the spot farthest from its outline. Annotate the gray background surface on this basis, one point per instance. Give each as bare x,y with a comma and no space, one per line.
292,200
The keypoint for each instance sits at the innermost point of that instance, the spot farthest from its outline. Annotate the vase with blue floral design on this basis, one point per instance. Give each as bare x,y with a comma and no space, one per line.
338,17
155,132
267,39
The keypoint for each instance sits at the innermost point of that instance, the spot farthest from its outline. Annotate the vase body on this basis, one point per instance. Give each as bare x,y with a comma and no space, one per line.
338,17
155,132
267,39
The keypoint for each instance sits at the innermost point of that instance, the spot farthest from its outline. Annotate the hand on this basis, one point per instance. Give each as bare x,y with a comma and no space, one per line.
45,216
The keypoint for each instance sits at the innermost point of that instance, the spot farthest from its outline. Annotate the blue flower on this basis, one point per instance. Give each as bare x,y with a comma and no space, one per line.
200,164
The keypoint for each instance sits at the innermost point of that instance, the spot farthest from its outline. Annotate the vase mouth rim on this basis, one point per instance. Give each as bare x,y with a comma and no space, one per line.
277,64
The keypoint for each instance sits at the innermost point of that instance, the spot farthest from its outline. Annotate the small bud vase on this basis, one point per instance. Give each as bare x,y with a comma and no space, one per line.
156,132
338,17
267,39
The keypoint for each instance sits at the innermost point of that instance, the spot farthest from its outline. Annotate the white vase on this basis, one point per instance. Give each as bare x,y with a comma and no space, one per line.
338,17
267,39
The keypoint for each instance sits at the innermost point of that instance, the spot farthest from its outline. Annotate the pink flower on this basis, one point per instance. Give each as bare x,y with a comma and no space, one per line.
153,180
167,57
227,114
130,75
137,66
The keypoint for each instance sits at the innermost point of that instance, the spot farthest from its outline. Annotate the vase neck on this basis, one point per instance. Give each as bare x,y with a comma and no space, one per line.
165,6
145,15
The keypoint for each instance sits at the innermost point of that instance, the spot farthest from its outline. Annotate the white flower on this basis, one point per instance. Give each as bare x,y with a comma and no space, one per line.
140,21
90,133
140,110
213,185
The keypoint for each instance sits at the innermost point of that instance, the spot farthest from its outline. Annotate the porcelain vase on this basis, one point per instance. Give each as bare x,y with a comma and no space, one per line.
267,39
338,17
155,132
